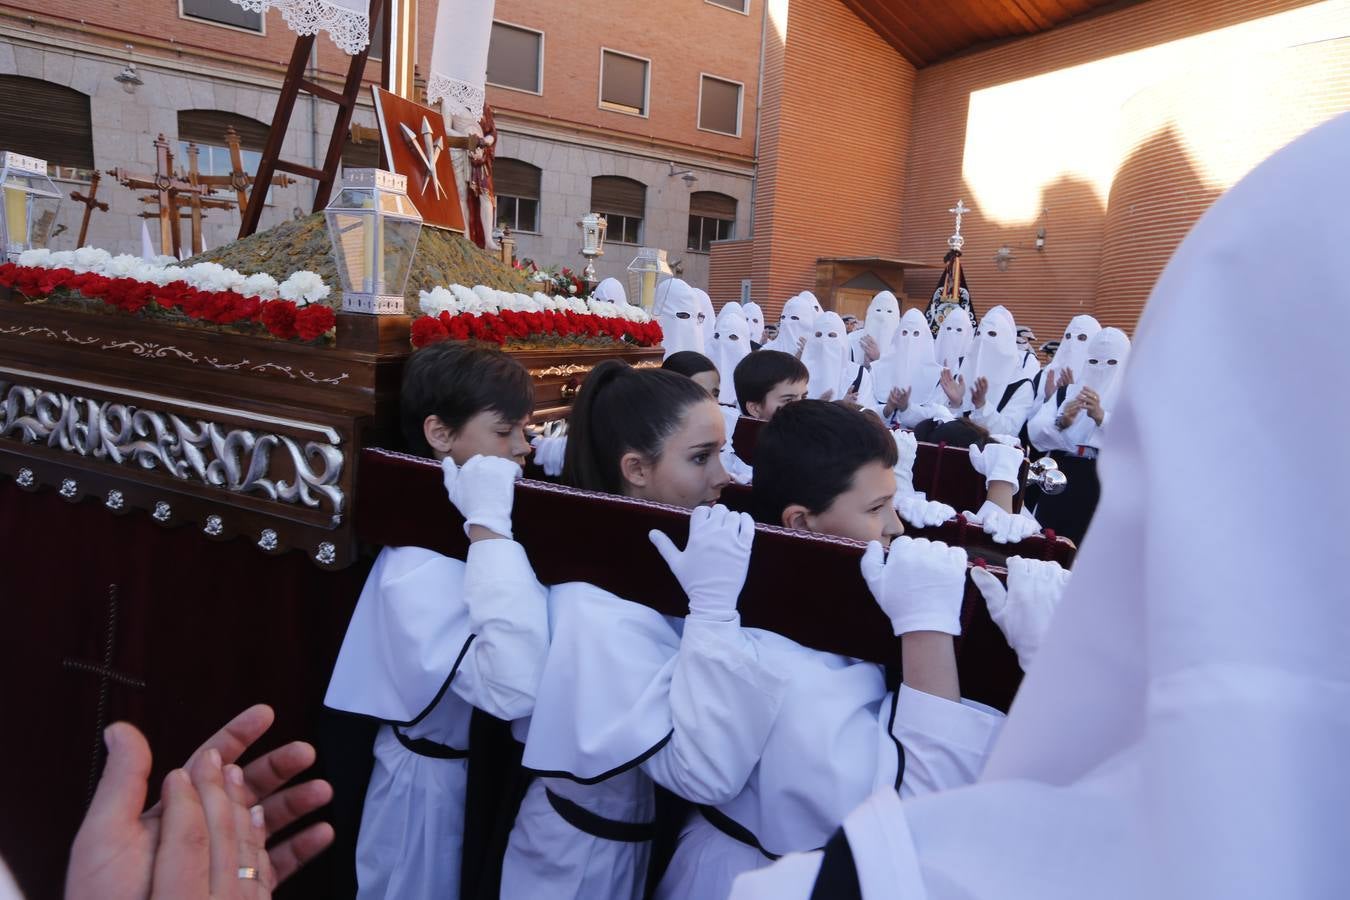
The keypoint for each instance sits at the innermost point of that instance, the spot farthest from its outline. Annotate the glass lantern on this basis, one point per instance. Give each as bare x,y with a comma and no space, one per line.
593,227
374,229
648,269
28,216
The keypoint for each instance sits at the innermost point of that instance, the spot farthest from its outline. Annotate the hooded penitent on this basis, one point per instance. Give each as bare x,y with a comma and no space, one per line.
730,345
953,339
676,308
825,356
910,365
707,316
611,290
1072,350
755,317
992,355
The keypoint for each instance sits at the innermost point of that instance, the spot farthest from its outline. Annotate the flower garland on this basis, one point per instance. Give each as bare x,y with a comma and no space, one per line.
205,292
499,317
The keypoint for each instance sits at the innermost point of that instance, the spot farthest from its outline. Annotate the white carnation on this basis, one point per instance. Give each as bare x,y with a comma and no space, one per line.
261,285
39,258
485,293
304,287
90,259
438,300
61,259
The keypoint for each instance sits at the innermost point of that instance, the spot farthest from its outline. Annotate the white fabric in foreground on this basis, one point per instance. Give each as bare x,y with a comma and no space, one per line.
1182,731
459,53
346,21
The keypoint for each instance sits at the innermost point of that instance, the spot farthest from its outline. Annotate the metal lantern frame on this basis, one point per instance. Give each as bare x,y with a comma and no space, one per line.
371,200
593,230
24,183
647,270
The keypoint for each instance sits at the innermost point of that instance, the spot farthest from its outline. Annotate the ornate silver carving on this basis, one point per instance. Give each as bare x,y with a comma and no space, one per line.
327,554
25,478
268,539
69,488
115,500
214,525
162,511
235,459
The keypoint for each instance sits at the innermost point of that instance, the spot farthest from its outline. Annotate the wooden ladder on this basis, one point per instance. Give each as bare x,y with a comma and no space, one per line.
295,83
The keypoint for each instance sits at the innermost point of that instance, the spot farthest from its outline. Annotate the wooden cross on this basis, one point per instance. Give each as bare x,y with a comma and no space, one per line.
90,204
197,202
167,186
107,675
238,180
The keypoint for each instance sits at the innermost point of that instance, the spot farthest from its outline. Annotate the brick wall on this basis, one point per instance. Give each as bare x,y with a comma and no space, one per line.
1114,133
729,262
834,140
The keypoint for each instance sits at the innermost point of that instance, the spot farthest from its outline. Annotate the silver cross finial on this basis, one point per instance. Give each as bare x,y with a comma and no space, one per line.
956,241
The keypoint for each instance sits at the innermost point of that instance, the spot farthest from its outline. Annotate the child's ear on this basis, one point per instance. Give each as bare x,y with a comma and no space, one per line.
635,469
797,517
438,435
754,410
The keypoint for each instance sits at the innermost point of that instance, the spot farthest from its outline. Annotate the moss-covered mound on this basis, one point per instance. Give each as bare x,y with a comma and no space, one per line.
443,258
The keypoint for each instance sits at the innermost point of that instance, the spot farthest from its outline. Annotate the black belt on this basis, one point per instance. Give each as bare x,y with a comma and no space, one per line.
424,747
733,829
583,819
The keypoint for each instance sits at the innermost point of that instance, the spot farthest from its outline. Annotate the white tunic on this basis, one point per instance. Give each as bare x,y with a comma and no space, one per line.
431,638
839,736
628,697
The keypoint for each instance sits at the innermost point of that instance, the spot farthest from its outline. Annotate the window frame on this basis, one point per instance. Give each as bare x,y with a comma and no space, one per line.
740,105
515,229
600,101
744,10
703,220
542,38
609,234
262,22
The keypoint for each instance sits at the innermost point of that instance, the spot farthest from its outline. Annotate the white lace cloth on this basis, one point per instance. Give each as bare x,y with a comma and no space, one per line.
346,21
459,55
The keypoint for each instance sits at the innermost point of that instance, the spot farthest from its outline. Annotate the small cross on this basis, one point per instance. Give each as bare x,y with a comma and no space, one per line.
106,674
960,209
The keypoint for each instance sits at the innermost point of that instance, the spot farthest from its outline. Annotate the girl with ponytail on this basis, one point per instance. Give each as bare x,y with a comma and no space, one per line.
630,697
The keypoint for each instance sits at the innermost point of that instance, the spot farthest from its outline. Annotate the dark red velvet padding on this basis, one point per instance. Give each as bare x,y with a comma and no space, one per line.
806,587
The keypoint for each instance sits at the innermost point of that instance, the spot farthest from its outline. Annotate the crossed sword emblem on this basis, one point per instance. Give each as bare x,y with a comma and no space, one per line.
428,148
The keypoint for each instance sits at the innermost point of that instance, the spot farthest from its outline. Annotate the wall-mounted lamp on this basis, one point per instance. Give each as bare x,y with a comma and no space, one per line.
1003,256
687,175
128,77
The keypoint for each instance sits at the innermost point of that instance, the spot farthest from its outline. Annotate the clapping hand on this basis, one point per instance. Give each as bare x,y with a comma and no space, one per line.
1091,403
871,352
897,401
978,392
953,386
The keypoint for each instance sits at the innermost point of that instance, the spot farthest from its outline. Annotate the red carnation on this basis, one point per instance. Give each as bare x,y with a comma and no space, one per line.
428,330
313,322
278,317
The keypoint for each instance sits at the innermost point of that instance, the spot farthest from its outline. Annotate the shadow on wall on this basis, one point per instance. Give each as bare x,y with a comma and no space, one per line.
1098,260
1156,197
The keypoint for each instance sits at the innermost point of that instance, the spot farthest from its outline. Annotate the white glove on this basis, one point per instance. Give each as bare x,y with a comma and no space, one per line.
997,462
919,586
548,454
483,490
1009,439
736,468
713,564
1023,610
916,509
1003,526
907,448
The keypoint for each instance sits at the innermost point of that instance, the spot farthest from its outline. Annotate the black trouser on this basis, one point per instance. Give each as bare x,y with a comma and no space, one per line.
1070,512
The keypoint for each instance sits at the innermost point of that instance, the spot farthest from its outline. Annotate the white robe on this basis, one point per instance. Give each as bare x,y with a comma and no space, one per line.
837,738
628,697
430,639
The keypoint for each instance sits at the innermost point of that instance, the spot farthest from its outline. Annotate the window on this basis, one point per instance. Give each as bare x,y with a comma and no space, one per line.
740,6
622,202
517,186
623,83
222,12
516,58
712,217
206,128
719,106
51,122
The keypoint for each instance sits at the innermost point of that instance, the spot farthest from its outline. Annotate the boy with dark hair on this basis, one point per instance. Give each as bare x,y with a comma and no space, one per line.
432,637
840,734
767,380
